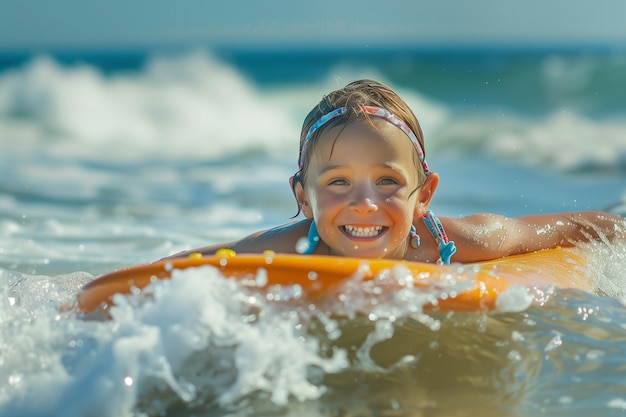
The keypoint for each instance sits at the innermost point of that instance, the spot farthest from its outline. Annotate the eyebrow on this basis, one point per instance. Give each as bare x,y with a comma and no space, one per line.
393,166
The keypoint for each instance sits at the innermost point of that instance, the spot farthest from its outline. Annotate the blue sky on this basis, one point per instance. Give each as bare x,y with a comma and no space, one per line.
85,23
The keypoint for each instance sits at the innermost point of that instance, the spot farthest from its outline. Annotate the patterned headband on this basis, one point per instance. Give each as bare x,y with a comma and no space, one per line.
372,111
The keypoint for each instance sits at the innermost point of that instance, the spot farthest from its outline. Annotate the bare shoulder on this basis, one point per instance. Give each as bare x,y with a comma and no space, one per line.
281,239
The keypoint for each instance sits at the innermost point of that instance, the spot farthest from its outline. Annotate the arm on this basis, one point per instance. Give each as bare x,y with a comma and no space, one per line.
281,239
487,236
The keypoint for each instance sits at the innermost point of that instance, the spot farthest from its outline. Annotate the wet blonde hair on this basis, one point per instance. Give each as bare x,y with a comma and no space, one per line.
351,97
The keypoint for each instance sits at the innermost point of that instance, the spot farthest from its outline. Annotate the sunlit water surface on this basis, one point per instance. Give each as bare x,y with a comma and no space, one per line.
106,167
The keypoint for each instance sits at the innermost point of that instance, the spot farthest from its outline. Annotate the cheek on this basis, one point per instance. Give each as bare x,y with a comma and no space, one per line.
317,201
404,211
321,196
323,203
401,202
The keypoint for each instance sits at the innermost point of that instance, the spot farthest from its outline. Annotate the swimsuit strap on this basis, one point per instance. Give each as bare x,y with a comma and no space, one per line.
312,240
447,248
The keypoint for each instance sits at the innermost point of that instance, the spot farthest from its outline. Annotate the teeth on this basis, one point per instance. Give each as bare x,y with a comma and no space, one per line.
363,231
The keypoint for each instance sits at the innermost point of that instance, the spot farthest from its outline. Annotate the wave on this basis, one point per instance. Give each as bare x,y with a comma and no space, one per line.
566,142
188,106
197,106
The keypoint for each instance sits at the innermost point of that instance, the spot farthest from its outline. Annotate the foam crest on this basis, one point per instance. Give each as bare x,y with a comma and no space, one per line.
191,105
606,263
567,141
564,141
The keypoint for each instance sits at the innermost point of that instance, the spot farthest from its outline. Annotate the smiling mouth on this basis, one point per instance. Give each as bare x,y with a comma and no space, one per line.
363,232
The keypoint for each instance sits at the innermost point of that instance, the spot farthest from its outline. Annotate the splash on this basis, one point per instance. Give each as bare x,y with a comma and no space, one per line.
150,353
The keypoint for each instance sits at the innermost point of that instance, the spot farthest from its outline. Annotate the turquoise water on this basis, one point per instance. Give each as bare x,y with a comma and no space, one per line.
115,159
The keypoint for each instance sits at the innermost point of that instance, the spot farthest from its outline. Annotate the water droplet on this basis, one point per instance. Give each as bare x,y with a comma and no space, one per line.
302,245
514,356
15,379
595,354
261,278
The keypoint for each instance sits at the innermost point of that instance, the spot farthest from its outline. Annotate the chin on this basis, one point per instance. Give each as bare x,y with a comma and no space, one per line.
369,253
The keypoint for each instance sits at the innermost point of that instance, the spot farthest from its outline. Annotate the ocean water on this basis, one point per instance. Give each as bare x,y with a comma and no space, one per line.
115,158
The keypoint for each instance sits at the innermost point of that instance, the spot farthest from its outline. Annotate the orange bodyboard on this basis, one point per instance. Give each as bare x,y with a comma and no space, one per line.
563,268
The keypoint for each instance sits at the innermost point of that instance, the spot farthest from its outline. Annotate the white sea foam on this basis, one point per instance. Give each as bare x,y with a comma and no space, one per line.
564,141
514,299
191,106
57,364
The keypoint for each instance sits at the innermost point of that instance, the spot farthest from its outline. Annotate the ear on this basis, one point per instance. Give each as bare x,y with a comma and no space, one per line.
425,194
301,198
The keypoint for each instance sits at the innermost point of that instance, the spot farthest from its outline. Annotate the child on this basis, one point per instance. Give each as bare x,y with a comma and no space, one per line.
364,187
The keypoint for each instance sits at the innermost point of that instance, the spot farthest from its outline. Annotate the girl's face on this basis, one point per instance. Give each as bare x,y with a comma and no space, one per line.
362,189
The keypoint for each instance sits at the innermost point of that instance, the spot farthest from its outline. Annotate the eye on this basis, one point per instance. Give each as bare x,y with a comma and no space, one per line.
387,181
338,181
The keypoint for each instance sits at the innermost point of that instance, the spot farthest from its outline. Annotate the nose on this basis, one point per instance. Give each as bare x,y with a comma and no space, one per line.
362,200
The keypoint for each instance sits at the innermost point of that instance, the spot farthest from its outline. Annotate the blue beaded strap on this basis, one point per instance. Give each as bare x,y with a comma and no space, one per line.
447,248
